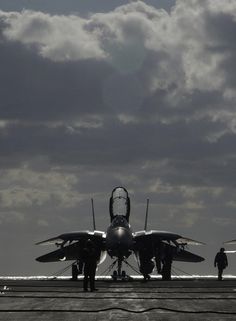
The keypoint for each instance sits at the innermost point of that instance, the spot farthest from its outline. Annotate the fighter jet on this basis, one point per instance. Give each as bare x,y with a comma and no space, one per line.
232,242
150,248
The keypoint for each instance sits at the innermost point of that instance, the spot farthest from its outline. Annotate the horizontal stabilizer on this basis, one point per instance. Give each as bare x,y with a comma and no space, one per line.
185,256
54,256
73,251
63,254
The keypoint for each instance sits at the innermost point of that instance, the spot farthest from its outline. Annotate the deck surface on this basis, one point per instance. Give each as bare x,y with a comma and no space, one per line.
154,300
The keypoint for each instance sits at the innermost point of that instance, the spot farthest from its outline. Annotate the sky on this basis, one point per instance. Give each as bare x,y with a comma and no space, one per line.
99,94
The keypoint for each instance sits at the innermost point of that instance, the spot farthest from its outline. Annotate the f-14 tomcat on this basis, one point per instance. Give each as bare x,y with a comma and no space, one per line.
120,242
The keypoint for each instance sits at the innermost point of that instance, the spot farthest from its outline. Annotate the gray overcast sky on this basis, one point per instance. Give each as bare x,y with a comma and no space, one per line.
72,6
95,94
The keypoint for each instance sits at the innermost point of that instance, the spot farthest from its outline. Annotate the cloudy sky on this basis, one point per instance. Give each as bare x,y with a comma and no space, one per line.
97,94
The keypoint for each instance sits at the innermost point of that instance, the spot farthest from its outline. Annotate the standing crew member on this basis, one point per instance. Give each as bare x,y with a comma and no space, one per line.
90,265
167,263
221,261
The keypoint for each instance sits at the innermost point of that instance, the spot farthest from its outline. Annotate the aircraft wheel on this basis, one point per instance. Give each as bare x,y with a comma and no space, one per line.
114,275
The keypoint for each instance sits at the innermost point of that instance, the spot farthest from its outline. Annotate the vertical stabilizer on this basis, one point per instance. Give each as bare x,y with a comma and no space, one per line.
94,225
146,217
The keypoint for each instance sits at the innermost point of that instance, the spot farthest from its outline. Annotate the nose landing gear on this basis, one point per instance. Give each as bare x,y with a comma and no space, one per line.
119,274
120,277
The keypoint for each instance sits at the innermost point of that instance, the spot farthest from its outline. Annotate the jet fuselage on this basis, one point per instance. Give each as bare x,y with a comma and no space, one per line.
119,239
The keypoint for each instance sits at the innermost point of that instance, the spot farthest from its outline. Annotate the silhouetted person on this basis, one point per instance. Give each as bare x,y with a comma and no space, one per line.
221,261
89,256
74,272
158,257
167,263
146,263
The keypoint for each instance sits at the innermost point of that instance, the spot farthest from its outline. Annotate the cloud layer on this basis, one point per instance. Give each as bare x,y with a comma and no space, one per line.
137,96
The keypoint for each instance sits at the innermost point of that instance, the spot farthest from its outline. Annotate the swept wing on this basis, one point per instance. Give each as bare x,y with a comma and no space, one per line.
152,240
71,245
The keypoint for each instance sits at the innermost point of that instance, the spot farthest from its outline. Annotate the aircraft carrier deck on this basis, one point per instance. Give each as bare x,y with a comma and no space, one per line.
63,299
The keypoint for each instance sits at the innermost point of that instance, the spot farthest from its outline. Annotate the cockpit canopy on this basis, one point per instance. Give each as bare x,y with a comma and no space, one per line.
119,203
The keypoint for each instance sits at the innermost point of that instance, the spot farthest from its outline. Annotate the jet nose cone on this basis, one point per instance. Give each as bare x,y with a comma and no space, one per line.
119,242
120,233
121,236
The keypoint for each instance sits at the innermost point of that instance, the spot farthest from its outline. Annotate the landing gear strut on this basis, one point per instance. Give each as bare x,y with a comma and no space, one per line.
119,267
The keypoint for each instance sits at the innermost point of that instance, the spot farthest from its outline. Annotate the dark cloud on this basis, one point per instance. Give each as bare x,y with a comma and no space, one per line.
36,89
221,27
